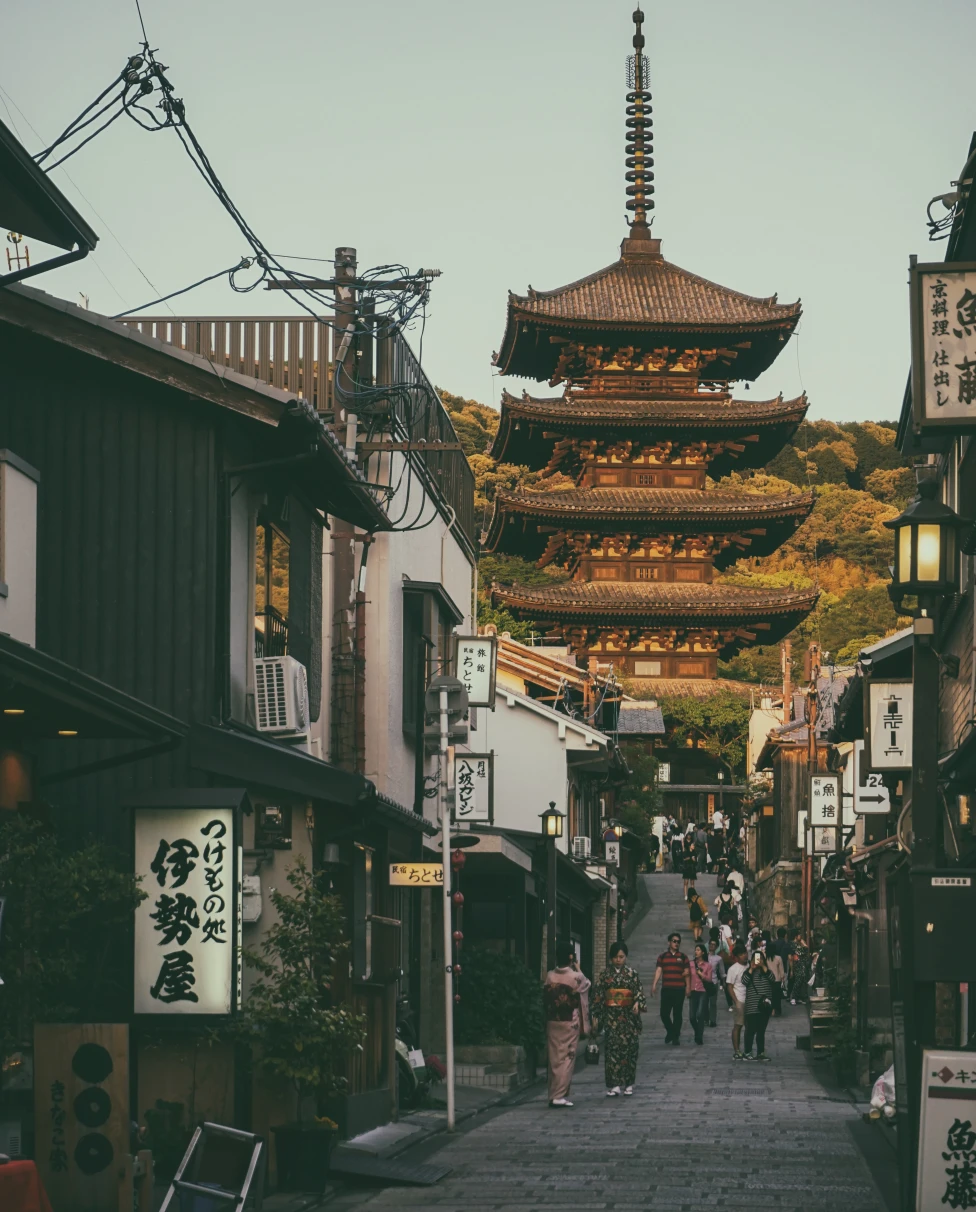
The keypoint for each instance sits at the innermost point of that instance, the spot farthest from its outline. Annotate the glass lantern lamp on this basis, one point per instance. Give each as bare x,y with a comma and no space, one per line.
552,821
926,551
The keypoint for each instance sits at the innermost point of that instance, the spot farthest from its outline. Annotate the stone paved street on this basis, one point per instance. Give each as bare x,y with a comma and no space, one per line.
701,1130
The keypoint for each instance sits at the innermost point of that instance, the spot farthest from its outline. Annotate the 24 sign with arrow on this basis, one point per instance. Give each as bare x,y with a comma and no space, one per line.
870,793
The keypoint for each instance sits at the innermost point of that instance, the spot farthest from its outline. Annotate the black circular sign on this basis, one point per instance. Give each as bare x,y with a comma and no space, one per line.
93,1153
92,1063
92,1107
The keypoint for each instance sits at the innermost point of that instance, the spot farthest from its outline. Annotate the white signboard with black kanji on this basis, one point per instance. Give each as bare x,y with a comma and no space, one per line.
612,853
186,936
890,716
824,800
944,344
474,792
947,1136
823,839
475,659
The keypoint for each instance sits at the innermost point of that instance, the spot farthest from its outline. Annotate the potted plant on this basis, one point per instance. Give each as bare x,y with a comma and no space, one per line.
295,1025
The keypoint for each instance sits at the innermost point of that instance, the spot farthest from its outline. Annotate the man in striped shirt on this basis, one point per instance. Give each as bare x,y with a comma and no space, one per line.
673,973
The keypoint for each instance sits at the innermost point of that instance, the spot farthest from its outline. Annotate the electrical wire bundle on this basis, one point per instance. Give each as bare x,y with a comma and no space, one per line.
390,306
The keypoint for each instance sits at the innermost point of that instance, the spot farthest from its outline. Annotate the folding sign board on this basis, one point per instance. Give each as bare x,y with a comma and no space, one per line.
824,800
474,790
81,1112
943,313
475,661
889,725
947,1139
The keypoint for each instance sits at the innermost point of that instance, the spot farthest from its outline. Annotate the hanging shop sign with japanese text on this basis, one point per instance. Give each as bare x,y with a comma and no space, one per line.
475,661
943,309
889,735
187,935
822,839
416,875
824,800
947,1137
474,788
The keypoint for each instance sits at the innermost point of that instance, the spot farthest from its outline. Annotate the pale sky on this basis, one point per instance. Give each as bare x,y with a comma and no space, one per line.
796,147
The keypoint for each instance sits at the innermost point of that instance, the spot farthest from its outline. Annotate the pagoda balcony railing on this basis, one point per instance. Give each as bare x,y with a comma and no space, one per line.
296,355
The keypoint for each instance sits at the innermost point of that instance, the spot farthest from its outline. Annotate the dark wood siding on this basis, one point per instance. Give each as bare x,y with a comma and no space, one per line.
126,541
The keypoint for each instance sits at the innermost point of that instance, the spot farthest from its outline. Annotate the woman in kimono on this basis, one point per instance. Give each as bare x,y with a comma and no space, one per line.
618,1003
566,1001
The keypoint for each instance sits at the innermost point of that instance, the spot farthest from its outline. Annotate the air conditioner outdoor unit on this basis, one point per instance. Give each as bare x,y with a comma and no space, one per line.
581,847
282,694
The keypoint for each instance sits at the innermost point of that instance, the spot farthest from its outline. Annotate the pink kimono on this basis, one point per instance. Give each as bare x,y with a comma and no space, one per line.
566,1000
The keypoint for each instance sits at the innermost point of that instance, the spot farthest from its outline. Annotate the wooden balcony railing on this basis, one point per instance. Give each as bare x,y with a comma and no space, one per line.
296,355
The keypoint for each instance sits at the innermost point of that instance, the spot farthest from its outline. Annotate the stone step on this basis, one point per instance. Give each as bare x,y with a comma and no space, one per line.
486,1075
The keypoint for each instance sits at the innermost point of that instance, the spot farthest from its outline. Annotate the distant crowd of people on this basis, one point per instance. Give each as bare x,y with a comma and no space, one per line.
738,962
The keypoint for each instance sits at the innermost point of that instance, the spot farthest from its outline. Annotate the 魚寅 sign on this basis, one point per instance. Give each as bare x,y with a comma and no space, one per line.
475,659
474,791
943,311
186,930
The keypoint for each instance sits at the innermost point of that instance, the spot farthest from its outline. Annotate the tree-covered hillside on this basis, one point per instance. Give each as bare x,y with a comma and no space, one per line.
859,480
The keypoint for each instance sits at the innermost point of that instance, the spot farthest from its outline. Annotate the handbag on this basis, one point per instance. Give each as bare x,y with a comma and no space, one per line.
592,1053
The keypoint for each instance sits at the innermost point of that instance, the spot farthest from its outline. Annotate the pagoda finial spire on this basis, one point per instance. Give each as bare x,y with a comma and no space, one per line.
640,142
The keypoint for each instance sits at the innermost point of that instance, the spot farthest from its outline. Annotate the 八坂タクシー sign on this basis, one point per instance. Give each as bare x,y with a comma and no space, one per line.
474,788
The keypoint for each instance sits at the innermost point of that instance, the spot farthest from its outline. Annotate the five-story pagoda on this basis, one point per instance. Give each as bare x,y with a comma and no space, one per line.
646,352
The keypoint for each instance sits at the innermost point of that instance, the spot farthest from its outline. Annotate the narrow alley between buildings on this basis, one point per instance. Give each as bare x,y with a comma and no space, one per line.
701,1130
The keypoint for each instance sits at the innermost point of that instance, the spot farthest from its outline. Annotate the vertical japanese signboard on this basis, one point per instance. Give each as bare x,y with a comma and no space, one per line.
889,722
475,661
81,1113
824,801
474,791
186,930
947,1138
943,307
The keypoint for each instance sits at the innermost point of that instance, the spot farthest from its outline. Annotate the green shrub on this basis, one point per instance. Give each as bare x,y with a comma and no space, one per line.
501,1001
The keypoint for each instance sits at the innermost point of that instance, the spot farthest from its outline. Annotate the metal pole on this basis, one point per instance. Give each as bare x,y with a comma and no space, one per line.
551,909
808,859
448,940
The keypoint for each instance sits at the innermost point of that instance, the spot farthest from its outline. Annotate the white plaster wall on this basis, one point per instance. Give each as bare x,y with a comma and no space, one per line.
760,723
18,545
531,763
428,554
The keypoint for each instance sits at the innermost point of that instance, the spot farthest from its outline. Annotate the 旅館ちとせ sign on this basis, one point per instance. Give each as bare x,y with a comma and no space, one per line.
475,659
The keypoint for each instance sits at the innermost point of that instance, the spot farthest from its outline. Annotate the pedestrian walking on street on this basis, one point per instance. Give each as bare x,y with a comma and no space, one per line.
677,853
735,981
697,913
702,980
618,1003
565,997
799,968
759,1005
689,869
673,972
777,970
717,963
701,848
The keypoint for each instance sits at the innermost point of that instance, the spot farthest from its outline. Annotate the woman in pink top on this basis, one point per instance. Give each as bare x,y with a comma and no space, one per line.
701,976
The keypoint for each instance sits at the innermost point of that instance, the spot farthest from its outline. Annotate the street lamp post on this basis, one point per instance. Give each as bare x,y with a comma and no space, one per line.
926,568
552,830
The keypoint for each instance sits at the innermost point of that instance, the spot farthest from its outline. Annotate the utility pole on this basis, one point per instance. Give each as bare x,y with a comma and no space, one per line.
813,670
346,654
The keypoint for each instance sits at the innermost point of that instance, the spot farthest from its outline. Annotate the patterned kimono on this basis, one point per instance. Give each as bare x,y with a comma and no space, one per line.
617,992
567,1014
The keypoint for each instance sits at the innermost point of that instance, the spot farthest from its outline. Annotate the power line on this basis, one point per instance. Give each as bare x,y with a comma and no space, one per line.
244,263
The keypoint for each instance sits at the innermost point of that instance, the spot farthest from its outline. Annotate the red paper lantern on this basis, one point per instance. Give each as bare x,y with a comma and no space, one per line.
457,936
458,898
457,998
457,969
458,858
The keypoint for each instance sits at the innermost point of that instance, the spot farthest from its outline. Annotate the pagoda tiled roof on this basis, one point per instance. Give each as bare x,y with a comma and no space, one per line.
655,602
645,511
529,426
702,506
643,293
